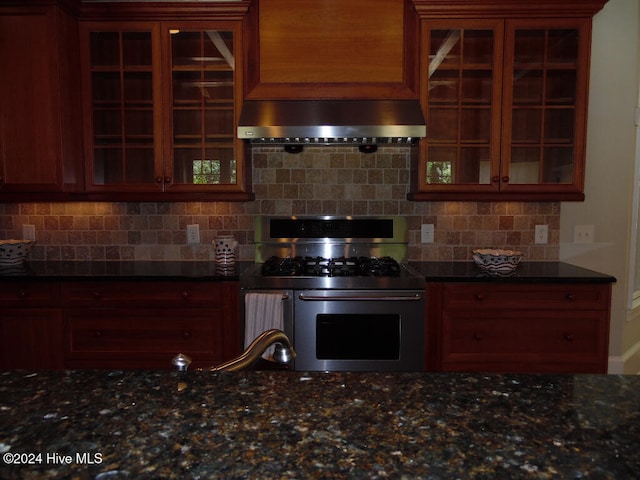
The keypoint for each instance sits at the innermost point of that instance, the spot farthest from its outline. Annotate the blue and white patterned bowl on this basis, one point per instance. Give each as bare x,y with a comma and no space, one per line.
497,261
13,252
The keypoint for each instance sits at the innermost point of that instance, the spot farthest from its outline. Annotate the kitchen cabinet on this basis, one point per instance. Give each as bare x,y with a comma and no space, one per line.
161,100
526,327
30,325
331,49
40,115
143,324
504,90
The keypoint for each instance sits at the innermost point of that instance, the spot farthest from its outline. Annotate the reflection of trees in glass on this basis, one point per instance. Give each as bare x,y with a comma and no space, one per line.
208,172
439,172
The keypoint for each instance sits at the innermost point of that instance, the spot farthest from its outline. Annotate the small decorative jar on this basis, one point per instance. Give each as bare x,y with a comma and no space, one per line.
225,246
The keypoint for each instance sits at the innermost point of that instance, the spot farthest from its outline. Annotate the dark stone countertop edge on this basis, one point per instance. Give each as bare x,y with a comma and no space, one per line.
527,272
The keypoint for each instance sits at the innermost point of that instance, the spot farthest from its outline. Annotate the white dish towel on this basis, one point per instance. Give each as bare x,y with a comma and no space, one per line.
263,311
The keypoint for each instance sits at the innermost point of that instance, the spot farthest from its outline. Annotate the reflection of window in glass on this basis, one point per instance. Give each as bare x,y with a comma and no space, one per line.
439,172
208,172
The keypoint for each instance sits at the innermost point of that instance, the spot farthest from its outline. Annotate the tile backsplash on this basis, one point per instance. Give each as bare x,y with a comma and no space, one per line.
318,181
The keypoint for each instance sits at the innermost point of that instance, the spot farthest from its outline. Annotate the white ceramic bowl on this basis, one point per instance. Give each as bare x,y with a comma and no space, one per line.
497,261
13,252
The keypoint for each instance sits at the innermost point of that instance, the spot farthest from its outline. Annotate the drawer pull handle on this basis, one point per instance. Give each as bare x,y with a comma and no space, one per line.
505,179
97,295
477,336
23,294
571,296
186,295
186,334
97,333
569,337
479,297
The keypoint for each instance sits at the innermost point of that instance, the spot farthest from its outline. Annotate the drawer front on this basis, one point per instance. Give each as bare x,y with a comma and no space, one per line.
527,296
19,293
117,332
141,294
529,337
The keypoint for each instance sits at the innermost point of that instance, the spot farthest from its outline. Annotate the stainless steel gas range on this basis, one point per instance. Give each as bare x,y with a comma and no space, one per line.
350,301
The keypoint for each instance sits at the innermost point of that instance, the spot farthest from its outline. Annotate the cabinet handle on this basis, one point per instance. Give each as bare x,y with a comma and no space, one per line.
186,334
477,336
569,337
158,179
23,294
97,295
505,179
571,296
97,333
479,297
495,179
185,295
167,179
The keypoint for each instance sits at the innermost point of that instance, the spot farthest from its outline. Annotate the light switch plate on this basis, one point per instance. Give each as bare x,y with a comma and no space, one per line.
583,233
541,234
28,232
193,234
427,232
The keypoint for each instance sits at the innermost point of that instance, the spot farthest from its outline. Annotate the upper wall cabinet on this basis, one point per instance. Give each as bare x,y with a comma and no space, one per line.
331,49
161,101
504,89
40,149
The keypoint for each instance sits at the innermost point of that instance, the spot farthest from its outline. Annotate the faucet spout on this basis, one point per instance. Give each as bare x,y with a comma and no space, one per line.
284,352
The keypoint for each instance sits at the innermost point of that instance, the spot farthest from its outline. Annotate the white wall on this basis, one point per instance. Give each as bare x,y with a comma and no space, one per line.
611,147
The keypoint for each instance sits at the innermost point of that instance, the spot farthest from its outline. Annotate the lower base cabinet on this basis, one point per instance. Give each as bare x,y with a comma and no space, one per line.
118,324
536,328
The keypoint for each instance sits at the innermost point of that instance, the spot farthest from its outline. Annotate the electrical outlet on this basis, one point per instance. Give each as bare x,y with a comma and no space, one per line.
28,232
427,232
541,234
193,234
583,233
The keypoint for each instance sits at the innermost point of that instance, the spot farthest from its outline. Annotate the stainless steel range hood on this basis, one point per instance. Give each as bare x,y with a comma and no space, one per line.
331,122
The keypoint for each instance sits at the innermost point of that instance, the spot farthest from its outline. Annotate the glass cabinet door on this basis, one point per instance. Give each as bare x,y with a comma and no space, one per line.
201,127
544,100
124,93
462,97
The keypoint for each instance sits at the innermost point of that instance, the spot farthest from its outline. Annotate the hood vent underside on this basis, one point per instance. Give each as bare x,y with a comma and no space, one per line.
331,122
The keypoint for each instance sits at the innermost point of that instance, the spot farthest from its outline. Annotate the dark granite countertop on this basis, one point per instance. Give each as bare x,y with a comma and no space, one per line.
125,425
527,272
121,270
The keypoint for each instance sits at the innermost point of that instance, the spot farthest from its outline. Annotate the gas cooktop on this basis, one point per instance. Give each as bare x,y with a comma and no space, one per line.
331,267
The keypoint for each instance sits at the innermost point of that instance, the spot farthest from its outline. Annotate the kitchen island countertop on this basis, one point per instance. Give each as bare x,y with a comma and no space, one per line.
148,424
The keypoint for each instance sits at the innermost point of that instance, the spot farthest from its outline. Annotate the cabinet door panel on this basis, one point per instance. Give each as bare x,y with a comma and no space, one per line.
31,338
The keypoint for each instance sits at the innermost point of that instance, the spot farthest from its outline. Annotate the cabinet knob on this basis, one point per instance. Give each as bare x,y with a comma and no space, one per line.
505,179
23,294
185,295
158,179
97,333
569,337
167,179
571,296
186,334
97,295
479,297
495,179
477,336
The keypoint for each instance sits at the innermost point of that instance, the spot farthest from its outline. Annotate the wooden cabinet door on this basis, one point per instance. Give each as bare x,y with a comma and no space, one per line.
461,94
31,338
544,105
122,98
39,143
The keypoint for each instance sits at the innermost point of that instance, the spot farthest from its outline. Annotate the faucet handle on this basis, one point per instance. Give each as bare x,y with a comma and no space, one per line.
181,362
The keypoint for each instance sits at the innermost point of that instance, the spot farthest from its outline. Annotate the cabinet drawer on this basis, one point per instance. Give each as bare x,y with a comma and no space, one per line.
100,334
114,294
19,293
531,338
526,296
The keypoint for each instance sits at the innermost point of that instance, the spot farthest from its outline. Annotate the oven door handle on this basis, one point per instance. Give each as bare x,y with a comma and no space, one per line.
381,298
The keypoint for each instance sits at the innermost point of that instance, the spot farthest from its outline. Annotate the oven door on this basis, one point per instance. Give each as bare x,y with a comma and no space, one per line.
359,330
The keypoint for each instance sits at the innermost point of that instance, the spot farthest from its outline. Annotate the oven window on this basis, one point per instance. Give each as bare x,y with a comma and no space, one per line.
358,336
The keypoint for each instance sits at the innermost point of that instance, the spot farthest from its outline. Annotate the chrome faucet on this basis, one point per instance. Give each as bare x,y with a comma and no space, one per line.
284,353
